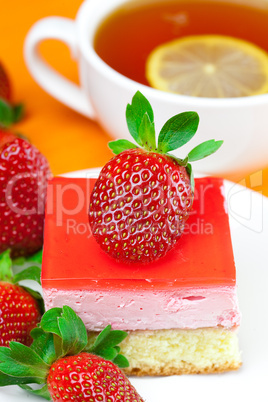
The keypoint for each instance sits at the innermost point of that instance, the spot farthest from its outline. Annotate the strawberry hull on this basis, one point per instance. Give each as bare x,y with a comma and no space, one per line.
139,205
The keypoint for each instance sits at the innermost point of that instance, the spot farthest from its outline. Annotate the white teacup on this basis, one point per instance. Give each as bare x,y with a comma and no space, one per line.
104,93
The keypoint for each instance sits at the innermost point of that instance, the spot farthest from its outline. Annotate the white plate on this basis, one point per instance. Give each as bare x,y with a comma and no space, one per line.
249,228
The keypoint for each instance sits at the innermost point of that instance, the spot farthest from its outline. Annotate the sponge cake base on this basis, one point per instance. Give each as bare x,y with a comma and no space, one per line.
180,351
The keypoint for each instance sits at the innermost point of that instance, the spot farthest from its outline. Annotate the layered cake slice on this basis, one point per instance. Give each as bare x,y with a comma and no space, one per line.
181,311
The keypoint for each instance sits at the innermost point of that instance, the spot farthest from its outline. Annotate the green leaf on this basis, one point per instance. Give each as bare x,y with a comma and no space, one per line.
121,361
11,380
35,258
189,170
22,354
135,112
73,332
18,112
49,321
114,338
6,273
19,261
147,133
32,273
6,114
66,325
108,353
120,146
105,345
101,337
10,114
43,392
108,338
21,361
43,345
177,131
204,149
37,332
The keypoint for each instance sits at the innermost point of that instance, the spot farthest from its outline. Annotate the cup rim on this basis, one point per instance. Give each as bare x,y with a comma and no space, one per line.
85,43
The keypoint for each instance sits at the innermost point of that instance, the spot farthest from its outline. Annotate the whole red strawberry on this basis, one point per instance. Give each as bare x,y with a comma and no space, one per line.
24,172
20,313
143,196
5,87
139,205
19,310
64,363
87,377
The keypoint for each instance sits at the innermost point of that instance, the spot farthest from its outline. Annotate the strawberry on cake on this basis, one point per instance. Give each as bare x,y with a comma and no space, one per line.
132,268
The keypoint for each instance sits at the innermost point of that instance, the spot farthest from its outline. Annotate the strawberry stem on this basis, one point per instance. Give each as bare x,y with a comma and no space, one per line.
60,333
175,133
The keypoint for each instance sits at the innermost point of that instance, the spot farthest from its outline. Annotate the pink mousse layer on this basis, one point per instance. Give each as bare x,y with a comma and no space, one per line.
186,308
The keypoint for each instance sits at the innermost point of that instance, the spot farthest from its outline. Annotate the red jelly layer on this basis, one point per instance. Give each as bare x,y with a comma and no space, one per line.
73,260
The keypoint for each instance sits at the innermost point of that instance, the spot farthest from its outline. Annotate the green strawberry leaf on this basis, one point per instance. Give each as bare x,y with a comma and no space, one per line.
120,146
43,345
108,338
35,258
108,353
37,332
49,321
70,331
204,149
121,361
10,114
6,273
21,361
19,261
6,379
147,133
31,273
43,392
135,112
114,338
100,340
6,114
18,112
73,332
20,365
106,345
177,131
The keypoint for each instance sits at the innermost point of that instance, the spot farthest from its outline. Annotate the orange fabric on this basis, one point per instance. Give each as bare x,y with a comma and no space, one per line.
70,141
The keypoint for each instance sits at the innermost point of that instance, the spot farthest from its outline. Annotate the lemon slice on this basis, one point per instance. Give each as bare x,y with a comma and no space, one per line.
210,66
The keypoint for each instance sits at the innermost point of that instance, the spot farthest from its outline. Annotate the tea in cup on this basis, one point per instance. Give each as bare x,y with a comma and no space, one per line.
112,49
